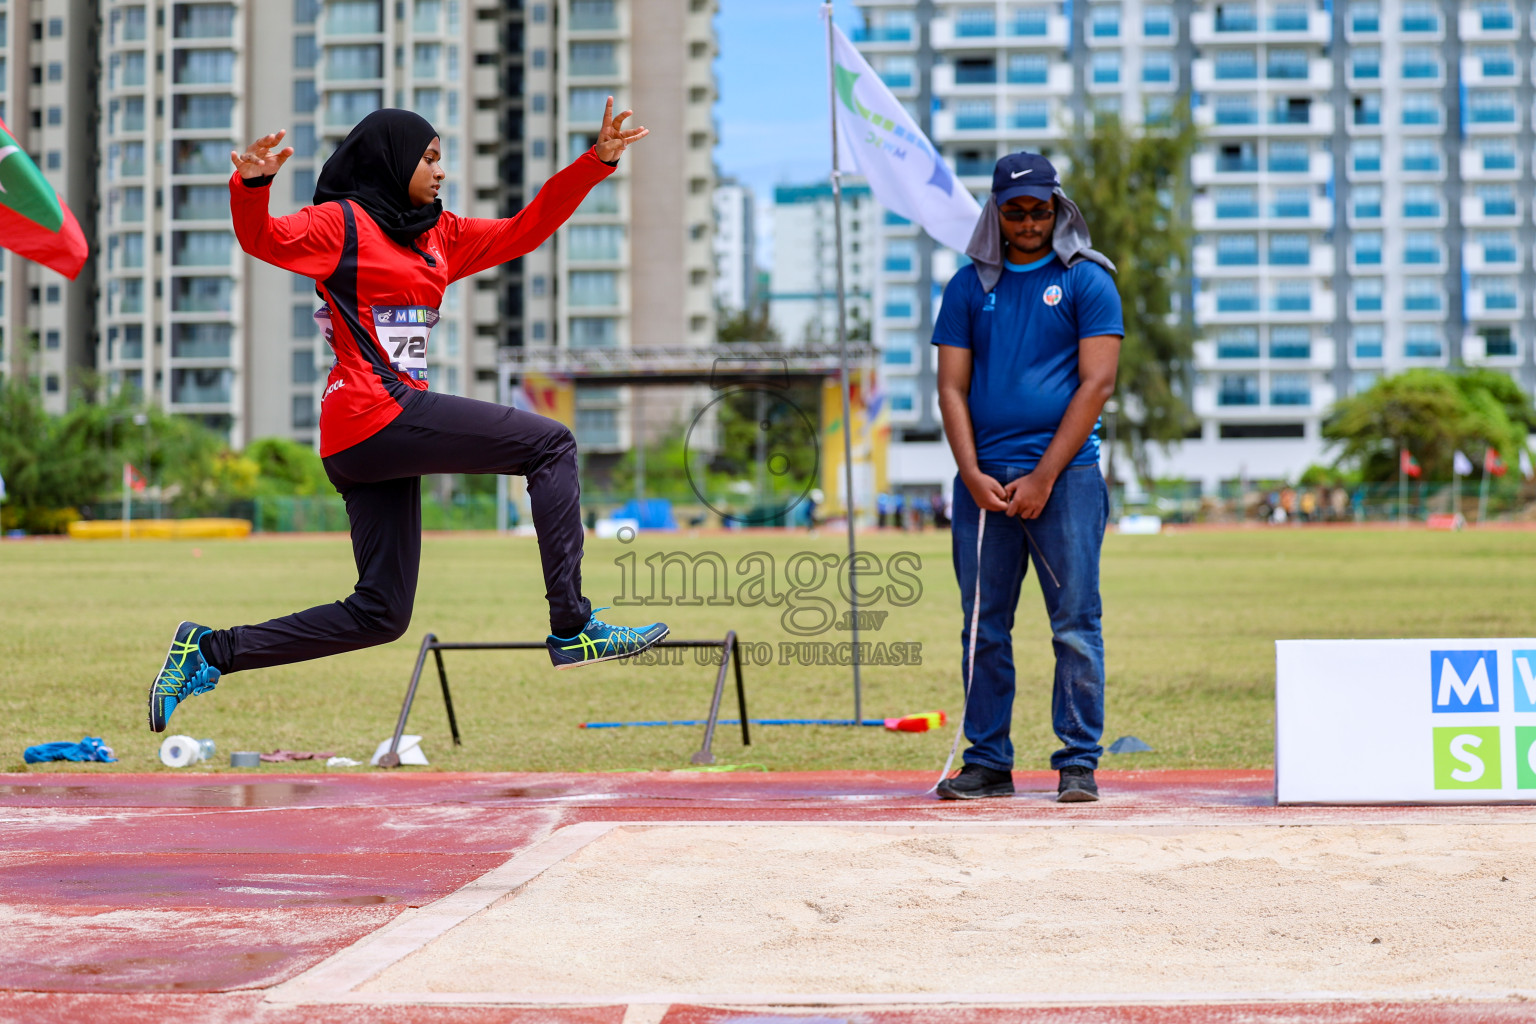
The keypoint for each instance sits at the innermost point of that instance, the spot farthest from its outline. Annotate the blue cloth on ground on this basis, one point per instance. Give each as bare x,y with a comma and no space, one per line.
651,514
90,748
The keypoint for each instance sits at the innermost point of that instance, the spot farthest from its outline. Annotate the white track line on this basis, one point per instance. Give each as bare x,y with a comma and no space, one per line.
336,979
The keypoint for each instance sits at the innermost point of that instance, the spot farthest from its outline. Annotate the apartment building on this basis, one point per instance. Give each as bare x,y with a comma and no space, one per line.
1363,188
802,296
635,266
735,244
47,84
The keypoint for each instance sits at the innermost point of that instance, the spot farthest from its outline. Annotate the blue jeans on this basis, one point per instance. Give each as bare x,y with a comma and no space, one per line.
1068,534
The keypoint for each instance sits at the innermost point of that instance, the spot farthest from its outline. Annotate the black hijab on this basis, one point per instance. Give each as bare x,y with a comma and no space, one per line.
373,167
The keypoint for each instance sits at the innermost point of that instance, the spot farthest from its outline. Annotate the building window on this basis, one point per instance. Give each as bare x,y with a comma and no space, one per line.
594,288
1366,340
594,332
201,341
1366,201
1237,343
1423,341
204,21
354,17
1367,293
51,294
51,340
1290,343
303,370
202,385
1290,389
1422,247
344,108
1498,342
1238,389
55,27
304,412
1237,250
1421,201
1422,295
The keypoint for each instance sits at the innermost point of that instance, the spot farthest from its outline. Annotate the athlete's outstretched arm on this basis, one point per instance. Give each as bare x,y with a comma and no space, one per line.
308,242
476,244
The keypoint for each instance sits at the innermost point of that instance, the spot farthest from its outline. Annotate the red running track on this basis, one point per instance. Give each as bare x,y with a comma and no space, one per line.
127,898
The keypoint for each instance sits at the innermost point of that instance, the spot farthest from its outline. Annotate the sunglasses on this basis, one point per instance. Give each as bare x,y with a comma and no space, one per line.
1038,214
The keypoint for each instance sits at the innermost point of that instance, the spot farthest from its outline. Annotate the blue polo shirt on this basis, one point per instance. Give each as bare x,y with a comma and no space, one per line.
1023,337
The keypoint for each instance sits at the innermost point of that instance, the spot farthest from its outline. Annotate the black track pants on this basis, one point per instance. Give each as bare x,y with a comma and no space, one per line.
380,478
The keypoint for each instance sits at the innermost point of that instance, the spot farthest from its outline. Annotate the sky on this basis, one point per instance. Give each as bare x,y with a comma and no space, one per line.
772,74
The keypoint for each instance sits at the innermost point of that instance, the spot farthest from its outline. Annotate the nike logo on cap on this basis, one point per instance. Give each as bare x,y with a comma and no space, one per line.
1018,174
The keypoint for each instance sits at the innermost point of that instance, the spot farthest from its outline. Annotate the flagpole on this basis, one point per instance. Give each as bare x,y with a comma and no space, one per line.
1402,485
842,362
1482,494
127,502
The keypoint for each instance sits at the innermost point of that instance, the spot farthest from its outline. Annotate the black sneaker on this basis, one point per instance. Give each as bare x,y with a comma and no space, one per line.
1076,785
976,781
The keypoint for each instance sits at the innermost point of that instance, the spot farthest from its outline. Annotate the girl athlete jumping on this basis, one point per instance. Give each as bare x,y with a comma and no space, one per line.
381,250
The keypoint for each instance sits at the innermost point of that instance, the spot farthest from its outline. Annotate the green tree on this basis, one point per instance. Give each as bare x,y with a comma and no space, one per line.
1133,189
1432,413
288,468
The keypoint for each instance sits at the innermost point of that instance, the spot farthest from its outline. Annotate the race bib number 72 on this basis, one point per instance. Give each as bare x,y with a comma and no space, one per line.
403,332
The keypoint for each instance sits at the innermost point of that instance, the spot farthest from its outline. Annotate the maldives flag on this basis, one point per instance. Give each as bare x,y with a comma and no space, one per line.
34,223
1493,464
131,478
1408,465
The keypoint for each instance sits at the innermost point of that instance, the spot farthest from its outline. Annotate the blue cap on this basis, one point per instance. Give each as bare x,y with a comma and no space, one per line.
1023,174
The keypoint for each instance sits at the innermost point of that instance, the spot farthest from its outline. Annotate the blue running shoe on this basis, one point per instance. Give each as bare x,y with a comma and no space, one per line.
599,641
183,675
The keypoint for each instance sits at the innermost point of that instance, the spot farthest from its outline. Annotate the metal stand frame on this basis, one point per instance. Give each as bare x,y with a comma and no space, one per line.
730,655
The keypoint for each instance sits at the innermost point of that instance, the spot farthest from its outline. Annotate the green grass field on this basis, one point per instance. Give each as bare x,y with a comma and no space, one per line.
1190,621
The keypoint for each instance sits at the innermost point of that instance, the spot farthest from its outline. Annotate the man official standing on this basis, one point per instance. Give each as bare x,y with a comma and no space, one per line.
1029,336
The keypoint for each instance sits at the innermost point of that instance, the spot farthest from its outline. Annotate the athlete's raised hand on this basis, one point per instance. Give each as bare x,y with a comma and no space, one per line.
613,140
258,160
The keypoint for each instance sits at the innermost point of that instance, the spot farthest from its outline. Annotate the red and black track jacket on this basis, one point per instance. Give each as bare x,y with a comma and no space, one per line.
370,283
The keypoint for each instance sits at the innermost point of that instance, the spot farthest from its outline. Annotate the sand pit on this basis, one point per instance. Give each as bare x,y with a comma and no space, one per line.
1052,912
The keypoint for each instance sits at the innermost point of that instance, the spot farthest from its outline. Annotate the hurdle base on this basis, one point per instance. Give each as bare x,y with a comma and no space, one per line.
730,658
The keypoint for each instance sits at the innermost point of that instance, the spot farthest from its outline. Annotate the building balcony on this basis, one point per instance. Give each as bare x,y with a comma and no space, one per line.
1211,402
1205,29
1498,121
1479,166
1476,72
1265,121
1318,261
885,39
953,34
1495,306
1477,212
1475,26
1209,75
1479,259
1319,354
1474,352
1210,169
1211,308
1058,82
1208,217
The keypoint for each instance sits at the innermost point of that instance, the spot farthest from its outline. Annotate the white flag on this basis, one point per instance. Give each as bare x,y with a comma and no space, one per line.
904,170
1526,469
1460,464
2,485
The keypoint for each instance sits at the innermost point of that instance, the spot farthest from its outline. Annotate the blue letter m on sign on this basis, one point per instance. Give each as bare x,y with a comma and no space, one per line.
1464,680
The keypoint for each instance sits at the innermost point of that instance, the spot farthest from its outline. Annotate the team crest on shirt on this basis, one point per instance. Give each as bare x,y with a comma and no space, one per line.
991,302
1052,295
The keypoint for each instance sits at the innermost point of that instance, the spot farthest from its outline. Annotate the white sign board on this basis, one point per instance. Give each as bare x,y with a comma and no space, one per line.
1405,721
